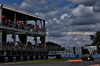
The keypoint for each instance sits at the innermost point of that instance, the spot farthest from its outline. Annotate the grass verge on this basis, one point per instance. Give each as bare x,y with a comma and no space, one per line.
36,61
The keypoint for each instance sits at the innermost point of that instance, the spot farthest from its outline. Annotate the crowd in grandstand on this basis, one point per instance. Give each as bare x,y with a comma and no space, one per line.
21,25
19,45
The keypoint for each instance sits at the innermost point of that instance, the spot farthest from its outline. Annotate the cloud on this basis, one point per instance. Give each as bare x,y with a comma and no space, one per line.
82,10
85,2
96,7
84,15
80,33
56,34
30,5
68,24
94,3
64,16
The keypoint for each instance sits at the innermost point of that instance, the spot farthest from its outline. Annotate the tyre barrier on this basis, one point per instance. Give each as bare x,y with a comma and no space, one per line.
27,58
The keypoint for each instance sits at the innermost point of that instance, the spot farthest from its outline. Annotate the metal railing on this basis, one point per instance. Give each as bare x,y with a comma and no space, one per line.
27,27
23,50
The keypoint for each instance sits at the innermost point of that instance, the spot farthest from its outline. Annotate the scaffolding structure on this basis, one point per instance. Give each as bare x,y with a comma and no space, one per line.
10,26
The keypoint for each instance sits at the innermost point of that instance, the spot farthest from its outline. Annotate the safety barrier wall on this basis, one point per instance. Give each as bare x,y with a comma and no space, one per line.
27,58
79,55
69,56
95,55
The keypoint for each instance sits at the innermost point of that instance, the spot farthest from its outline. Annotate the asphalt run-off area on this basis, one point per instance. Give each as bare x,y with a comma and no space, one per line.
72,62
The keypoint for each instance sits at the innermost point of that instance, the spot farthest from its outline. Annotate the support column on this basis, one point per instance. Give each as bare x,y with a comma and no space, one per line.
1,14
0,39
35,38
43,23
14,38
15,19
35,22
44,26
15,44
26,44
36,25
74,52
26,20
44,41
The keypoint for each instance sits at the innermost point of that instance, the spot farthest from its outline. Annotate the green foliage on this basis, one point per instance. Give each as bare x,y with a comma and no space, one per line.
95,39
37,61
54,47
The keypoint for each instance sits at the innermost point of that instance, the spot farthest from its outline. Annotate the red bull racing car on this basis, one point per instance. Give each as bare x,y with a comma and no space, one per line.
87,58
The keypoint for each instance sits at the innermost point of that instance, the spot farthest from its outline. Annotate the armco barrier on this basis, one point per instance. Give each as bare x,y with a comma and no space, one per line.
95,55
27,58
69,56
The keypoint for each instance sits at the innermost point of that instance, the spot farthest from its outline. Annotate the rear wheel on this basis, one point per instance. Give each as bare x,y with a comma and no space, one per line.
92,59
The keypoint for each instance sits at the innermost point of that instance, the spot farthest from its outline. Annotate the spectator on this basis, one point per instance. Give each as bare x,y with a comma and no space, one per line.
20,45
3,20
5,53
20,22
29,43
40,29
17,24
10,23
33,27
22,25
16,43
6,22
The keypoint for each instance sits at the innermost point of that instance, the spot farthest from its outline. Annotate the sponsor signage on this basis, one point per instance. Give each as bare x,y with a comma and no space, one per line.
26,58
69,56
6,59
14,58
34,57
21,58
52,57
39,57
95,55
81,55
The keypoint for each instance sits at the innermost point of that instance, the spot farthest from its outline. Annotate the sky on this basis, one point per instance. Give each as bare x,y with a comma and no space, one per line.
68,22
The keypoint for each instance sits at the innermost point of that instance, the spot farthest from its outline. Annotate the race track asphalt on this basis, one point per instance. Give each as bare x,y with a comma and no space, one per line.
80,63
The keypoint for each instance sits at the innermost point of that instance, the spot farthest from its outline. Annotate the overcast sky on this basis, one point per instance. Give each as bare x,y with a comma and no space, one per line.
68,22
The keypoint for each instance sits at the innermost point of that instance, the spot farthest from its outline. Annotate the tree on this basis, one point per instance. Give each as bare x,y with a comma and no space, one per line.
96,39
53,46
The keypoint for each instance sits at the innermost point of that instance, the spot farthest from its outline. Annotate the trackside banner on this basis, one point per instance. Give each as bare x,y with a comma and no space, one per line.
69,56
79,55
95,55
27,58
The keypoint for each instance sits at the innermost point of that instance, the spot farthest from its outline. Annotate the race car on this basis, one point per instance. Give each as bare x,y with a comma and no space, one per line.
87,58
